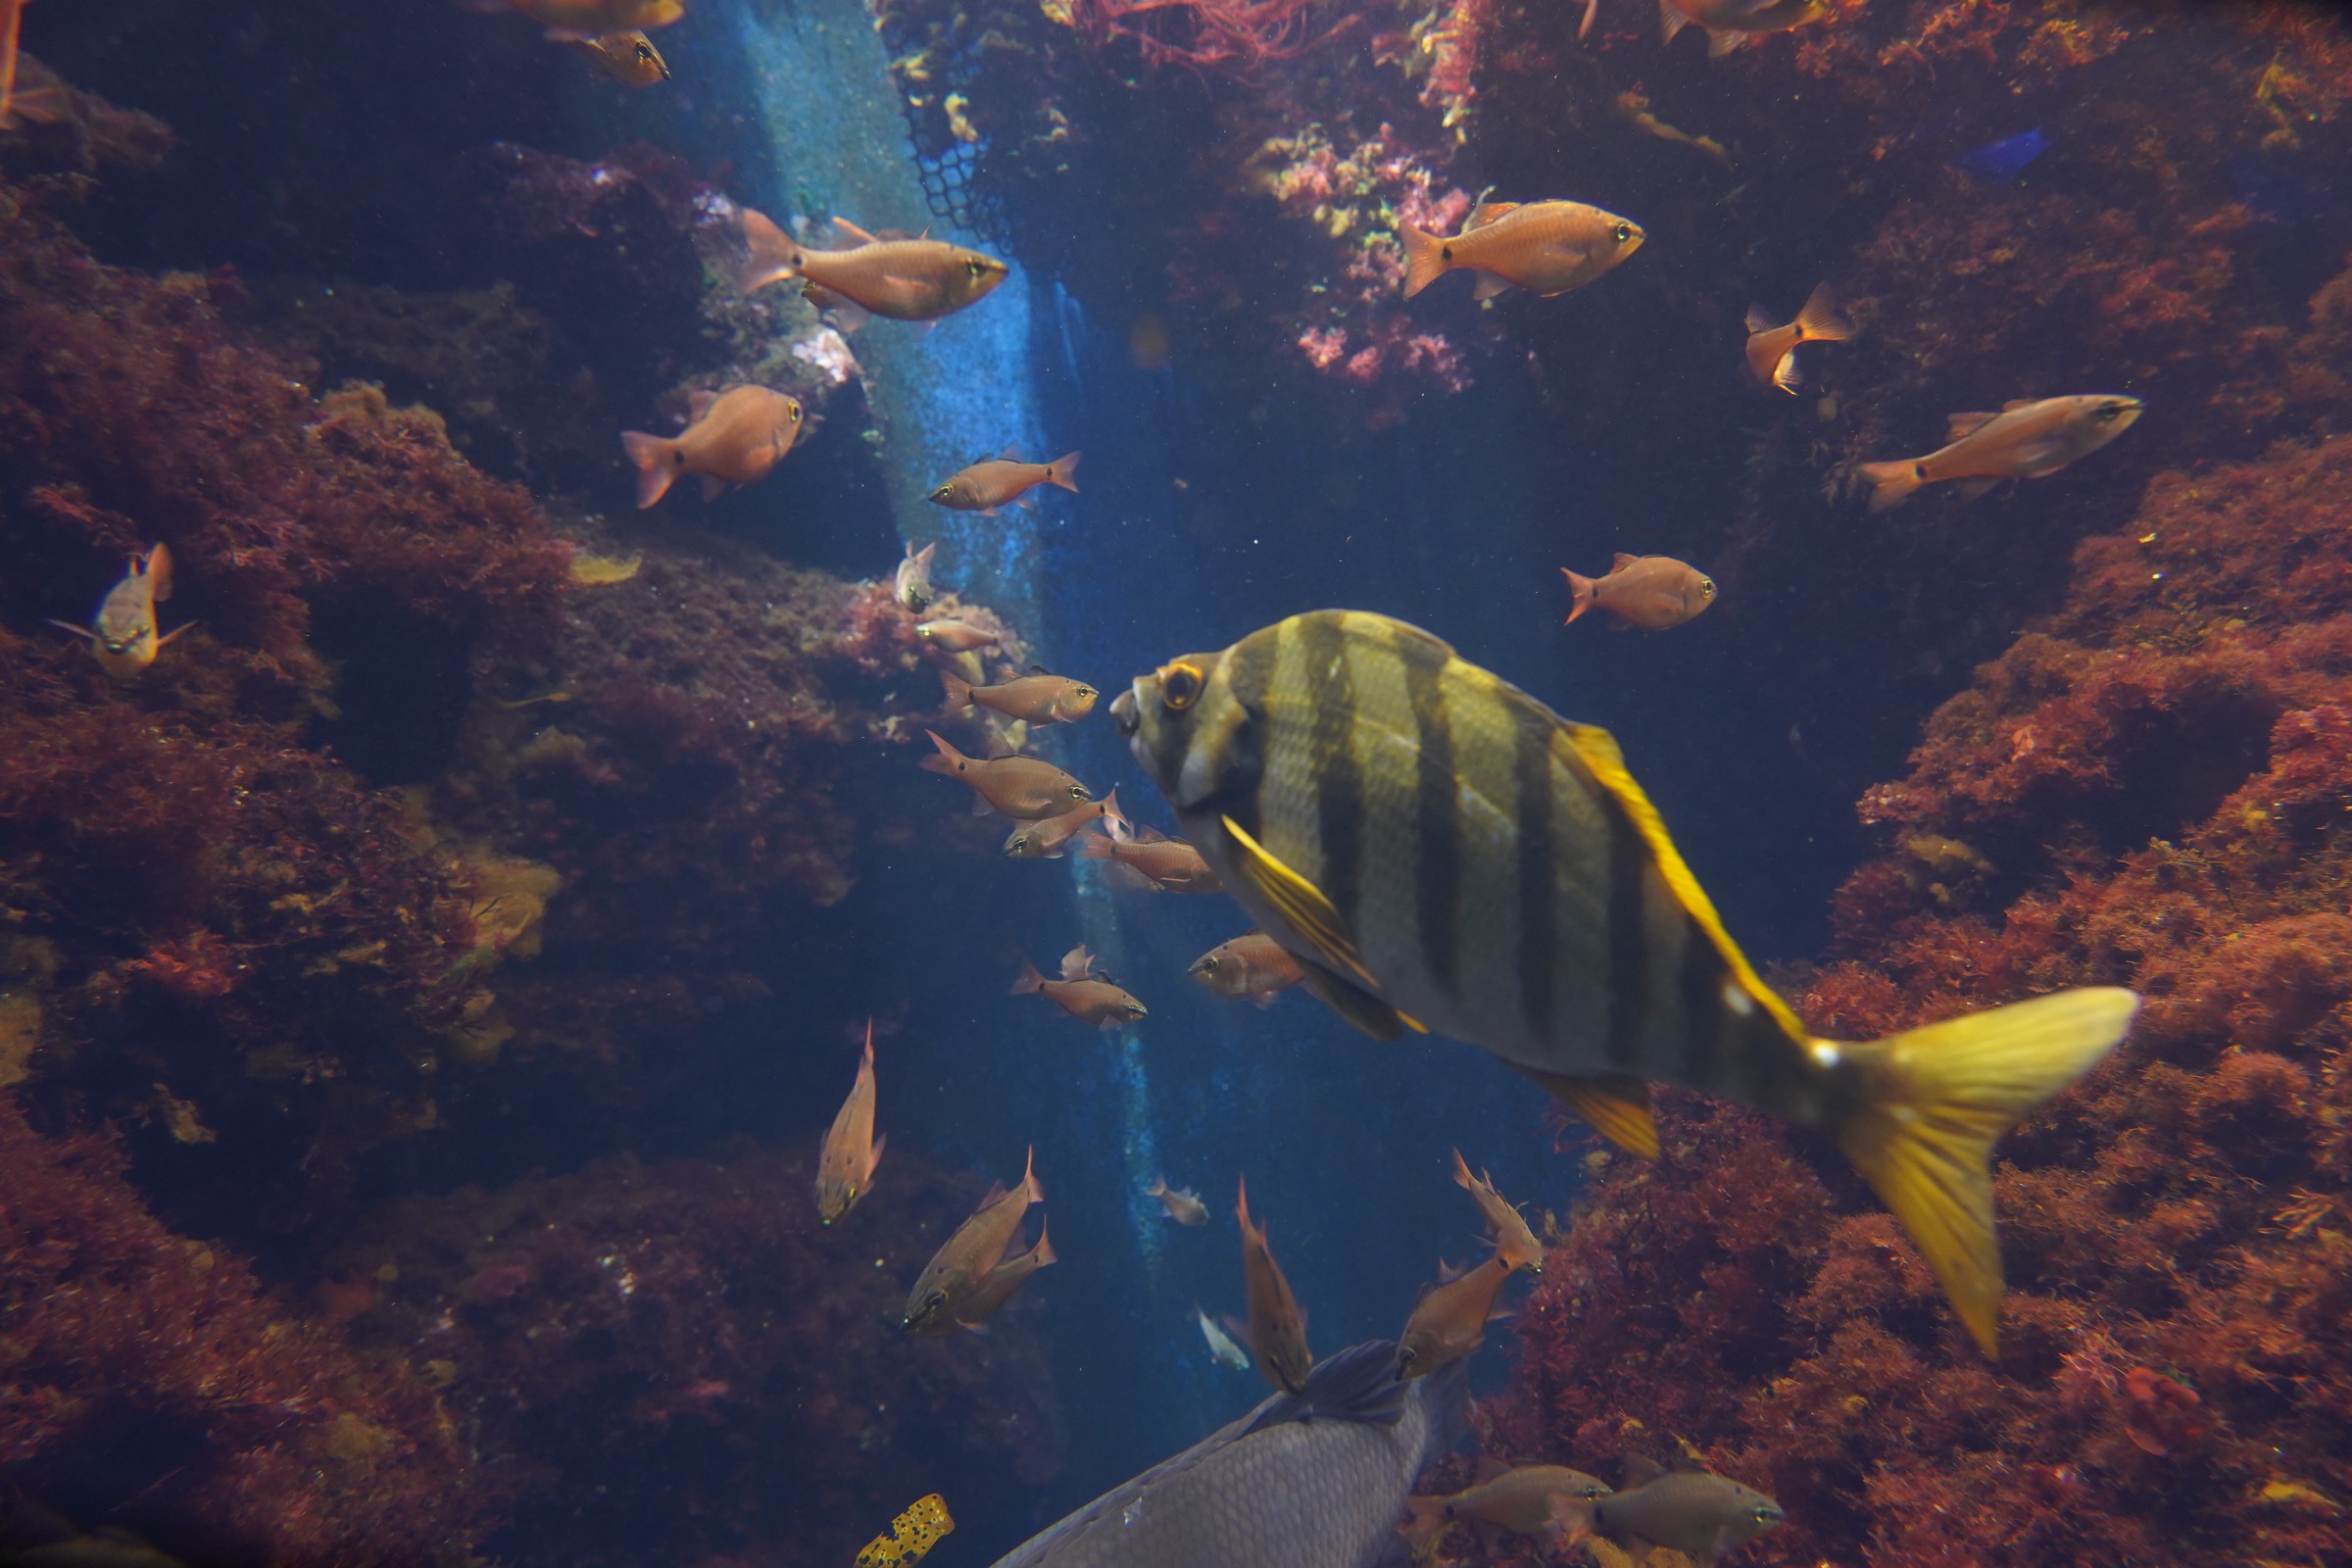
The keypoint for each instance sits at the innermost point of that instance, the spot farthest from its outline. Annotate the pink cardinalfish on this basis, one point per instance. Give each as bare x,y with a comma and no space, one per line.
906,279
845,1170
1004,482
733,437
1083,992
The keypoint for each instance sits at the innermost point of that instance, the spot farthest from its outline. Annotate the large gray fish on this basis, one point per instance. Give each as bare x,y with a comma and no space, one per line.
1440,850
1312,1480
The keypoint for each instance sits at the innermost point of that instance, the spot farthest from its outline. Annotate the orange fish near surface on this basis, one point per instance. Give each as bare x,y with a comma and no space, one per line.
970,1255
1547,248
1001,481
1277,1327
1772,350
1729,23
1083,992
1253,966
1038,698
1514,1243
600,19
845,1168
2025,440
733,437
1156,864
123,633
1018,786
905,279
1450,1320
1655,593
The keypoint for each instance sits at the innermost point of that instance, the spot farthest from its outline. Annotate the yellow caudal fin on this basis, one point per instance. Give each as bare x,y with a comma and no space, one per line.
1617,1106
1424,258
1934,1100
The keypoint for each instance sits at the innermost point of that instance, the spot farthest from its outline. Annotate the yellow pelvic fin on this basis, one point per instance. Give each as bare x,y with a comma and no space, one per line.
1596,752
1302,907
1934,1100
1617,1105
1355,1003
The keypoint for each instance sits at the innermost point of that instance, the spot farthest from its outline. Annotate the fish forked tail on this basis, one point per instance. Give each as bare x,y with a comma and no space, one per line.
1108,811
1092,846
959,693
1028,983
1580,595
1424,258
1891,483
1044,1251
1819,321
1933,1100
775,257
946,760
1036,1187
1064,472
657,465
1426,1519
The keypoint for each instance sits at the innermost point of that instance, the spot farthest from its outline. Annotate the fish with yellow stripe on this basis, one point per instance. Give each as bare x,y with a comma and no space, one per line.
1442,852
911,1534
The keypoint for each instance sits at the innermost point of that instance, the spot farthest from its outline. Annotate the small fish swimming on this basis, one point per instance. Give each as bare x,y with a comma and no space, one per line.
1277,1325
731,437
845,1168
1450,1320
600,19
968,1256
1003,481
1772,350
1047,838
1253,966
954,636
1182,1205
1655,593
2025,440
1634,108
1534,1500
1086,995
1037,699
911,587
629,58
1163,864
1547,248
1729,23
1307,1481
1689,1511
1440,850
911,1534
123,633
905,279
1514,1243
1003,1284
1221,1347
1025,787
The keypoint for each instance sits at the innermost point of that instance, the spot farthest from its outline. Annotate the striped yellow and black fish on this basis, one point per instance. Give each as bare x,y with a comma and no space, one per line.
1442,851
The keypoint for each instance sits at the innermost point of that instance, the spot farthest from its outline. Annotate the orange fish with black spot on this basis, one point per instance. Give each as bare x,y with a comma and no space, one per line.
732,437
1003,481
905,279
1547,248
1084,991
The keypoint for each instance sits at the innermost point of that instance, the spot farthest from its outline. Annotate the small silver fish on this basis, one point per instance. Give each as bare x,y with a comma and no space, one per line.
123,633
1182,1205
1221,1346
912,588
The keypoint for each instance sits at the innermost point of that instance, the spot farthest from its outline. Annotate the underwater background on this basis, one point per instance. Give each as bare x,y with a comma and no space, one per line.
424,991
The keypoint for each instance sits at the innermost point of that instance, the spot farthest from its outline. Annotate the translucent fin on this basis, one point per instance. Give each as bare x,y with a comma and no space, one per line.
1616,1106
1301,903
1934,1100
1973,489
1819,321
1957,426
1488,285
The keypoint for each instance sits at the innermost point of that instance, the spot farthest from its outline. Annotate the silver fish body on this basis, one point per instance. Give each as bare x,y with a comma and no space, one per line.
1310,1481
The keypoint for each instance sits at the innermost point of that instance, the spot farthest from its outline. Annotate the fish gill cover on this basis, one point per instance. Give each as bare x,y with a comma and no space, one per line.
422,990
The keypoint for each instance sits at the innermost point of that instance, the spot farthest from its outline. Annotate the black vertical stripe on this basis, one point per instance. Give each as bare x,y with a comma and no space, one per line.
1706,1021
1629,938
1539,879
1338,782
1249,672
1436,812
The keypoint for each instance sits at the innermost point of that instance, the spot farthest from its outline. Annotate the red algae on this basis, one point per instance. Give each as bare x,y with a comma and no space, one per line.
2149,789
222,1426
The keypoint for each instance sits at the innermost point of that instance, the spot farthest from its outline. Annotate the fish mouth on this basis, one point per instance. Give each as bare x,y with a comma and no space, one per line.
1123,716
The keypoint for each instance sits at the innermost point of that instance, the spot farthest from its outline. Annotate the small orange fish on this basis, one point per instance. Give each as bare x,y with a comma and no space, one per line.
1547,248
1003,1283
1184,1205
1159,864
1277,1330
598,18
1252,966
953,636
911,587
1083,992
629,58
733,437
1450,1320
1038,698
970,1255
1514,1243
1017,786
1729,23
1534,1500
905,279
2025,440
845,1170
1652,592
1772,350
1046,838
1001,481
123,633
12,21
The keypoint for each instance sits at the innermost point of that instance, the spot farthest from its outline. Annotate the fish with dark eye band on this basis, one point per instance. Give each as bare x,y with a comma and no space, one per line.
1690,1511
1253,966
2025,440
903,279
1438,851
1038,699
1655,593
1023,787
1004,482
1545,248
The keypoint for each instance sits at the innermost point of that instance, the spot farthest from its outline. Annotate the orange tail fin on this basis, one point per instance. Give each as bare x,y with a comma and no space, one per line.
657,466
1891,483
1580,595
775,257
1028,983
959,691
1064,472
1424,258
1819,321
946,760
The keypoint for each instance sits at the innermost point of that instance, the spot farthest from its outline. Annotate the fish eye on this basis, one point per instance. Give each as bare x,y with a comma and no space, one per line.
792,412
1088,691
1077,792
1179,686
1019,844
1706,588
943,492
1208,966
976,267
645,54
1622,232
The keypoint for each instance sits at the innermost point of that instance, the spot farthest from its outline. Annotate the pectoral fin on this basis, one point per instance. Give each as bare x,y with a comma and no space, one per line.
1357,1006
1971,489
1301,906
1615,1103
1488,286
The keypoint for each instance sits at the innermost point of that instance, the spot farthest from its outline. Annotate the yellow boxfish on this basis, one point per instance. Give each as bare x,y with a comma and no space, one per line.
1440,850
911,1534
